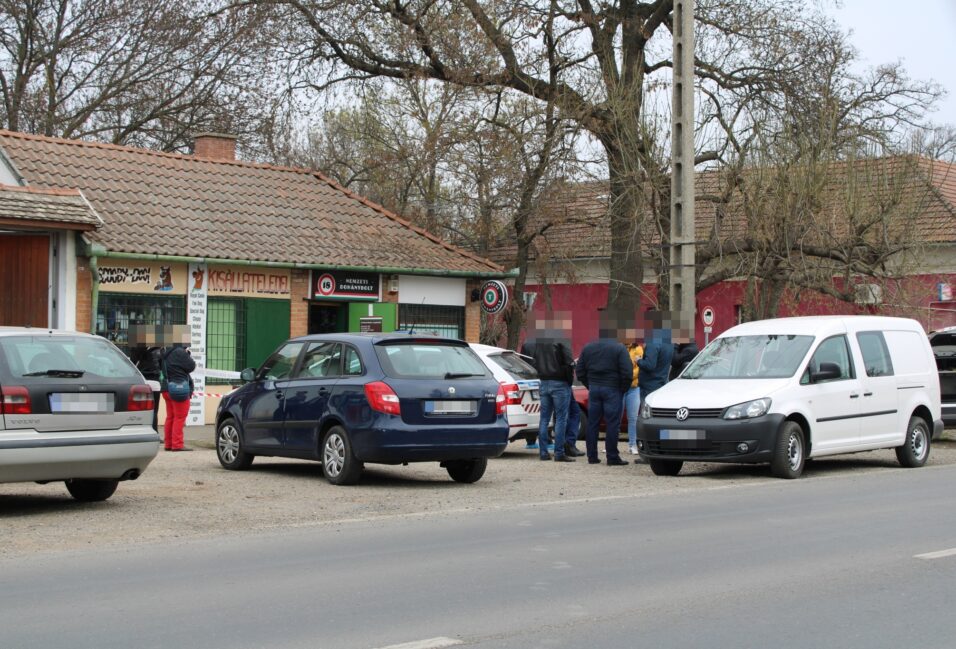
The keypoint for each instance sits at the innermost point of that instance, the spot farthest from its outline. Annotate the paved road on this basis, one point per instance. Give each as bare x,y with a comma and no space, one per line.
829,561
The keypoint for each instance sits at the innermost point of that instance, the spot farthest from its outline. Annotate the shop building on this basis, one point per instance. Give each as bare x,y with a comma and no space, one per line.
246,254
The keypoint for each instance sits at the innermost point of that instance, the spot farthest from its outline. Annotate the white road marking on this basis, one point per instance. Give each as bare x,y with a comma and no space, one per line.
936,555
430,643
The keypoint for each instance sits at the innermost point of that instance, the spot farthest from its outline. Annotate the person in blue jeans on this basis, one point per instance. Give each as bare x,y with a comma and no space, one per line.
551,357
605,368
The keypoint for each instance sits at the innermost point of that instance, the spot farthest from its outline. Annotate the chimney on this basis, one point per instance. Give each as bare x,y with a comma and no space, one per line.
215,146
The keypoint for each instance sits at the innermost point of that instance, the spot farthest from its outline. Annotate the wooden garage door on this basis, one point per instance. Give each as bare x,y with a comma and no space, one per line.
25,269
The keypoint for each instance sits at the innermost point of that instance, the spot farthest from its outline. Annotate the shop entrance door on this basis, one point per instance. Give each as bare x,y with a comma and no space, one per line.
328,318
25,269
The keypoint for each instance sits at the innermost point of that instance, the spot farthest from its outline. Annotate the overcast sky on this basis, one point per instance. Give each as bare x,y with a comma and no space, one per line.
920,33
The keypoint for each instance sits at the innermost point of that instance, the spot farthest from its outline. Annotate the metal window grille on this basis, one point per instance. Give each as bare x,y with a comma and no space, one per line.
445,321
225,336
115,312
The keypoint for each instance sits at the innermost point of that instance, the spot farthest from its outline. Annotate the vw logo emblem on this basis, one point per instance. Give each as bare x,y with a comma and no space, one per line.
451,390
682,414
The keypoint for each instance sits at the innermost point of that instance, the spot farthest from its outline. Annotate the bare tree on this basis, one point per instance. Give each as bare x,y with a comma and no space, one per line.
131,71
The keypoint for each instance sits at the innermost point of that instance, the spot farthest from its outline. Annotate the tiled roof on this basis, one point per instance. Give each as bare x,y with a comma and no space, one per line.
46,207
920,193
180,205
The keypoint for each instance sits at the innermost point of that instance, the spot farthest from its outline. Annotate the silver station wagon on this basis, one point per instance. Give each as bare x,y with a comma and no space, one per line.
74,409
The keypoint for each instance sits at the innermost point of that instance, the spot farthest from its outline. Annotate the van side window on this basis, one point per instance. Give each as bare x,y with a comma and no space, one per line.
876,355
832,350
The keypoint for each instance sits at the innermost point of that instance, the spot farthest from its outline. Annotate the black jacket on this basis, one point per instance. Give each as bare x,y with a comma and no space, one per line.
552,358
605,362
178,364
148,361
684,353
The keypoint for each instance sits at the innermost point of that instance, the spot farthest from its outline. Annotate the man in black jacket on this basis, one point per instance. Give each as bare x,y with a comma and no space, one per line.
550,353
605,368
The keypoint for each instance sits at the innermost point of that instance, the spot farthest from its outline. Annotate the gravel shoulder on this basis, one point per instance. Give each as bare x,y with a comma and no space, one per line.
183,496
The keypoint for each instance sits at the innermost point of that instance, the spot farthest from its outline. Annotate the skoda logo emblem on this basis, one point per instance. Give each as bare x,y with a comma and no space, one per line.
451,390
682,414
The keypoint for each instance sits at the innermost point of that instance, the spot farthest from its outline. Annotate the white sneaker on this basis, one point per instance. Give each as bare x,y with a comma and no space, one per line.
633,450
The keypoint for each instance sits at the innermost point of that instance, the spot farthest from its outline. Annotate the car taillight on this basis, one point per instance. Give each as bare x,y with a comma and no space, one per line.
382,398
501,400
15,400
512,394
140,398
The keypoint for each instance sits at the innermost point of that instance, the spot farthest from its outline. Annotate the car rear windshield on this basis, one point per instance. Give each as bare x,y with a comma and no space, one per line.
750,357
514,365
415,359
64,356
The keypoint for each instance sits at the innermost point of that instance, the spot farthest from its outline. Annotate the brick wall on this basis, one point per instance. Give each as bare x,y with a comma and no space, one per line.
472,312
84,295
299,309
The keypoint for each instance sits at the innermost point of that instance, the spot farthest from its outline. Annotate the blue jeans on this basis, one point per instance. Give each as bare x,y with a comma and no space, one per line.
574,421
555,396
604,402
632,405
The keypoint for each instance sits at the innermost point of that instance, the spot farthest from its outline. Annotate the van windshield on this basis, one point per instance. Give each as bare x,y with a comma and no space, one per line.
750,357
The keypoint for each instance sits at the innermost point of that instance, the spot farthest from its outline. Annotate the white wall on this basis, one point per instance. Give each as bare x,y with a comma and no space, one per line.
418,289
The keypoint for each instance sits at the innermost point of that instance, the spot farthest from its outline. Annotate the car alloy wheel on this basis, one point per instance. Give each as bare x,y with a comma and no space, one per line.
228,443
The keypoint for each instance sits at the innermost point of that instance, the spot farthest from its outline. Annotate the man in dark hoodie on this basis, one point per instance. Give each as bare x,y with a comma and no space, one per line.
605,369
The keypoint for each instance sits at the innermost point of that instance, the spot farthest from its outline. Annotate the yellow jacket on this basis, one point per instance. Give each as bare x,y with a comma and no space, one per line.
636,351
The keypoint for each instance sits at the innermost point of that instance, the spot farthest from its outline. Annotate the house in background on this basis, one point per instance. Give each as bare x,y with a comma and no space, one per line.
568,269
95,237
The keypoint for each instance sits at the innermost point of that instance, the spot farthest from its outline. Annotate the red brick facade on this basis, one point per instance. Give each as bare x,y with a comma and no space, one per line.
84,295
299,309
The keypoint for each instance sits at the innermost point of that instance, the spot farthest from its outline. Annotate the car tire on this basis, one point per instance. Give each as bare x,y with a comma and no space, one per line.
467,471
665,467
91,491
583,426
789,453
339,463
229,448
915,450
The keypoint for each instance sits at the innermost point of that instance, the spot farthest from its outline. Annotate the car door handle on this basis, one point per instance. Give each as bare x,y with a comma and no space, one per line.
323,392
867,394
279,394
854,396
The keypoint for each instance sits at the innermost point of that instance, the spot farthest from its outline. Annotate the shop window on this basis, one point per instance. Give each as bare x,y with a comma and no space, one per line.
444,321
225,336
115,312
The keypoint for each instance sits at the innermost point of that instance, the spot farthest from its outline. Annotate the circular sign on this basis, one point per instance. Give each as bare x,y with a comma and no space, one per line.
494,296
326,285
707,315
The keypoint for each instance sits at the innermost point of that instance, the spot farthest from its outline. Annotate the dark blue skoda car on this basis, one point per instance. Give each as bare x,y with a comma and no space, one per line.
349,399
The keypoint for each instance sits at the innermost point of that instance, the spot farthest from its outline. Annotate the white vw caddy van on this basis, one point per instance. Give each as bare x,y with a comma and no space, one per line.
782,391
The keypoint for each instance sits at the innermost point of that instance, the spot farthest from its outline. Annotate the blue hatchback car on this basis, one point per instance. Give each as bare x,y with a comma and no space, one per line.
351,399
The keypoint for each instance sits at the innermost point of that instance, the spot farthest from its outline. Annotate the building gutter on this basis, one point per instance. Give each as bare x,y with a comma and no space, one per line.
97,250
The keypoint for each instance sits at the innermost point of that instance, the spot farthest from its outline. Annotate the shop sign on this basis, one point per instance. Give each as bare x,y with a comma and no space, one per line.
344,285
494,296
121,276
248,281
370,325
197,302
945,292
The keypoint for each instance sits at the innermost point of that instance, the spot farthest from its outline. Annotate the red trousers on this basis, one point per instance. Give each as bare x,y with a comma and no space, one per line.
176,412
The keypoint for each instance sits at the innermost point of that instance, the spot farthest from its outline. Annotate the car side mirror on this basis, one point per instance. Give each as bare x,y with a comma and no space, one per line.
826,372
247,375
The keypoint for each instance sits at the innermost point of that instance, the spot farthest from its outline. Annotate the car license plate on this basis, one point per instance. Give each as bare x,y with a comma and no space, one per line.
450,407
683,434
92,402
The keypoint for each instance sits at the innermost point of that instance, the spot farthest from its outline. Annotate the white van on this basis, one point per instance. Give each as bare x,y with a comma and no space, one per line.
782,391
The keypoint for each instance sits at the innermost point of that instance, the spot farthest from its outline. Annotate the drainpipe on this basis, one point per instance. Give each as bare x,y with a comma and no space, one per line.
94,293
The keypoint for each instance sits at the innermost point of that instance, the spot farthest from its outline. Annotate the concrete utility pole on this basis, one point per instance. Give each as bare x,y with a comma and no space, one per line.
683,233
